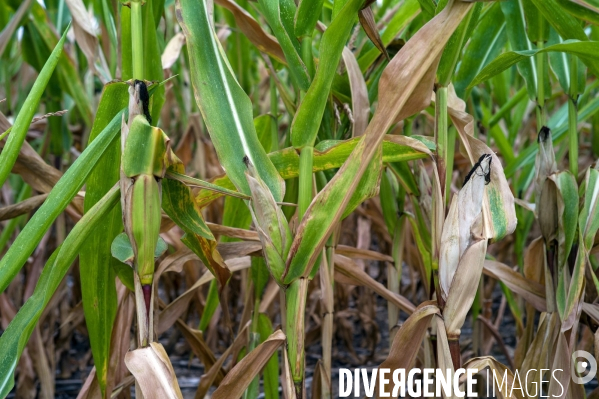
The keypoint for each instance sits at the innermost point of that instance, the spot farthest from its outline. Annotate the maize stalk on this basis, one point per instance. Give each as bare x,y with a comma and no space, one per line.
143,165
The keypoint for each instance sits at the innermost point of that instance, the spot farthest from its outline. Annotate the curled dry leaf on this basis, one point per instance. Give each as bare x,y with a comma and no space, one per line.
253,31
532,292
153,371
464,223
85,34
407,341
366,17
499,210
172,51
239,378
481,363
463,287
359,93
355,275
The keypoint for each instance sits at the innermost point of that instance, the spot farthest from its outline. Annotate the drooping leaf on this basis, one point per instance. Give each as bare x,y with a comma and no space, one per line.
587,51
401,77
331,154
253,31
239,378
406,12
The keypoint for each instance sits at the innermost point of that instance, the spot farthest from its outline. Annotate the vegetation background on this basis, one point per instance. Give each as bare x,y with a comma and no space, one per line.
234,198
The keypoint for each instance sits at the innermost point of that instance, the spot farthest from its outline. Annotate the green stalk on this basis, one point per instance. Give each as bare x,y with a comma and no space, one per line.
541,118
307,55
253,388
573,116
137,44
295,298
507,107
305,181
274,112
441,124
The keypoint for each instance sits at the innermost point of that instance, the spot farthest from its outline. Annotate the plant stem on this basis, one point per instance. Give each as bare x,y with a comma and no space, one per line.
573,116
540,86
274,112
327,271
137,44
394,272
295,298
307,55
441,124
305,181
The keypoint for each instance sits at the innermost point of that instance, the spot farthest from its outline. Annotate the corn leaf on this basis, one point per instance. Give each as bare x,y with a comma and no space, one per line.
330,154
408,340
15,140
253,31
60,196
15,337
98,267
308,12
306,122
587,51
516,33
277,15
401,78
153,372
408,10
239,378
225,107
485,44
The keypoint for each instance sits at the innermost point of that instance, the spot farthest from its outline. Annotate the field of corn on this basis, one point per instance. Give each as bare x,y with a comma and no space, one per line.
235,198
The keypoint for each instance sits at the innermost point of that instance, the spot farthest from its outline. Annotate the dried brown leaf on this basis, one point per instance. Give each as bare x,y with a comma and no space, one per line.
208,378
532,292
366,18
171,53
350,269
237,380
480,363
12,211
10,29
85,34
500,220
359,93
463,287
153,372
253,31
408,339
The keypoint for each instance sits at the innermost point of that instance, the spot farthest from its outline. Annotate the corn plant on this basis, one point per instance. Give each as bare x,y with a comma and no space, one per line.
240,185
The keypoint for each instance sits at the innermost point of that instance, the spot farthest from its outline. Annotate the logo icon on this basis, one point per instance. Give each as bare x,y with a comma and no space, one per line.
583,361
